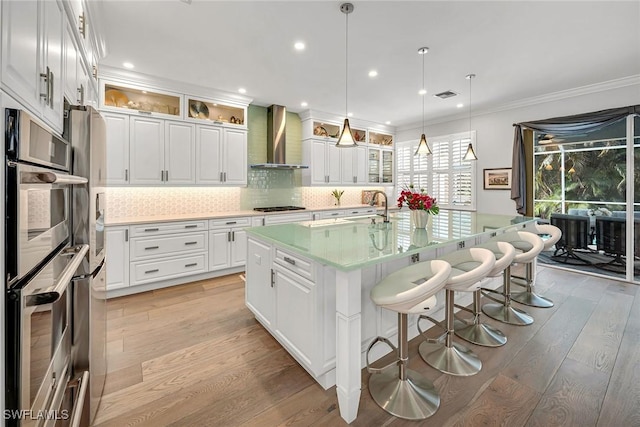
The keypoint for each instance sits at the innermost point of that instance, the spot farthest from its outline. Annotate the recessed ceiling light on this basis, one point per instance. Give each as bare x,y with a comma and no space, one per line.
387,122
303,104
128,65
459,105
422,92
299,46
350,115
242,90
373,73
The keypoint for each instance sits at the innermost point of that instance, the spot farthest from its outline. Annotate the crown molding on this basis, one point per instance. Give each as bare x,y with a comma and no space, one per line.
536,100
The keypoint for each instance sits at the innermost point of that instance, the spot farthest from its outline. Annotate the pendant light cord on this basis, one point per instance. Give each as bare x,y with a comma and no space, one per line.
424,94
470,78
346,68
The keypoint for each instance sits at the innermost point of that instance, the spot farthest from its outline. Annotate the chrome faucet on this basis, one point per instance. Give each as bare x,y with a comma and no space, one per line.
386,205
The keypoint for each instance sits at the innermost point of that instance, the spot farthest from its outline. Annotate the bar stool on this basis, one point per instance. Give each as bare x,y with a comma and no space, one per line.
528,296
528,246
406,393
468,267
474,330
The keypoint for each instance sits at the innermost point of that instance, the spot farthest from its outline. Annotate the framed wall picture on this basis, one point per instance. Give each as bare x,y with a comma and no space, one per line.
497,179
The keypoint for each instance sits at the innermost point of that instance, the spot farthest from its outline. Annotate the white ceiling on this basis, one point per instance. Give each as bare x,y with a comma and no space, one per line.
517,49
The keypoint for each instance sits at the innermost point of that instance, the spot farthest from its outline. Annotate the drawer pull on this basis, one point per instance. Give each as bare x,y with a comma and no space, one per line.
190,243
354,212
290,261
334,214
191,226
151,229
151,247
155,270
193,264
231,222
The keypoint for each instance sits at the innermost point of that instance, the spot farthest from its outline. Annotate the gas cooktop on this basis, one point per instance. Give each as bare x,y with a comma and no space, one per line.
279,208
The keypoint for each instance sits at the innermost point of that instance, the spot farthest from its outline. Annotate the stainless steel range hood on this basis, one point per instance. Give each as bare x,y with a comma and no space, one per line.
276,141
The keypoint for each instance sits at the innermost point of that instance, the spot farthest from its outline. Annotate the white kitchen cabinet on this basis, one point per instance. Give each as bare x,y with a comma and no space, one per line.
117,148
79,87
287,218
221,155
227,242
353,163
295,312
146,150
32,63
324,160
180,155
259,289
117,257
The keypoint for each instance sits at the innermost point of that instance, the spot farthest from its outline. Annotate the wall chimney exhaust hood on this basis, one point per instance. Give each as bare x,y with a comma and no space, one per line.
276,140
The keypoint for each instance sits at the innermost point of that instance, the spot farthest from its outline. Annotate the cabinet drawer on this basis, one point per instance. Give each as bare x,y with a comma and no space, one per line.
167,228
229,222
361,211
295,263
328,214
168,245
149,271
286,218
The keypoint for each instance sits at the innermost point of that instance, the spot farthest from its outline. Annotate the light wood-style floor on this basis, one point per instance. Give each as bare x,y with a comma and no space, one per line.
194,355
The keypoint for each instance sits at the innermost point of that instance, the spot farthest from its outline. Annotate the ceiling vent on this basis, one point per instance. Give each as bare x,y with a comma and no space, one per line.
446,94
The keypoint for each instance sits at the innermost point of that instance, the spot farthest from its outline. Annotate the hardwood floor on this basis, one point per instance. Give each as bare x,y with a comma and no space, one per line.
193,355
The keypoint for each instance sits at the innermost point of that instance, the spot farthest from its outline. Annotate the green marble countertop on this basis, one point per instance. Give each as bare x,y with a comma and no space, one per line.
351,243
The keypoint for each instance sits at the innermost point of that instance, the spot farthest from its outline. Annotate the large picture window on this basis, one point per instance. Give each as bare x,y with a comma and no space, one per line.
443,174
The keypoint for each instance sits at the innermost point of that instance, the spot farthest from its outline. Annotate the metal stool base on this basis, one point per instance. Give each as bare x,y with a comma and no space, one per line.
507,314
455,360
480,334
412,399
532,299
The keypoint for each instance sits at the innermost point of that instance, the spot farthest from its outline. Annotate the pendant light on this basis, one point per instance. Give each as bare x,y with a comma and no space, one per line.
346,139
423,146
470,155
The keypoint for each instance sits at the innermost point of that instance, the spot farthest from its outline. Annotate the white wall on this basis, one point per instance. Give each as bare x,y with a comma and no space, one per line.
495,132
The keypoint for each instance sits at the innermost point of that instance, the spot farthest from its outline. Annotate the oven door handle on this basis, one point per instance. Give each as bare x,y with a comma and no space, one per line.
50,178
51,295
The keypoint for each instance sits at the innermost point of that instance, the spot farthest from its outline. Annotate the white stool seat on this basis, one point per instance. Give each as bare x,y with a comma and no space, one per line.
403,392
504,254
552,231
410,288
528,245
468,267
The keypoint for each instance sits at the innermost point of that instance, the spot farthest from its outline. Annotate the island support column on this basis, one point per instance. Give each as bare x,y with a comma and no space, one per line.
348,338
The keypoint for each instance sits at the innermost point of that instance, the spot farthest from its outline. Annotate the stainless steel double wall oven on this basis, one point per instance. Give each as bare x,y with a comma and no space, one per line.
41,263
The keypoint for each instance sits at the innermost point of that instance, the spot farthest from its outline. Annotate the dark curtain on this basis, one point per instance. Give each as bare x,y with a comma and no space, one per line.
558,126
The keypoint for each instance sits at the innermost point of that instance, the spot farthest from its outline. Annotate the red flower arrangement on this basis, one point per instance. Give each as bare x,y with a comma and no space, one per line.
418,201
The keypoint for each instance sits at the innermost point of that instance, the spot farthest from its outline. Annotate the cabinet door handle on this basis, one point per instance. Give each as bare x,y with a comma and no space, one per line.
81,95
45,77
126,174
231,222
290,261
126,235
190,243
191,226
50,86
228,236
166,175
233,236
155,270
151,247
151,229
225,177
273,277
82,26
193,264
221,177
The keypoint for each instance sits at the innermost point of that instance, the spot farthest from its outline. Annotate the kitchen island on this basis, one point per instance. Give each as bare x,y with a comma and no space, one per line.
308,284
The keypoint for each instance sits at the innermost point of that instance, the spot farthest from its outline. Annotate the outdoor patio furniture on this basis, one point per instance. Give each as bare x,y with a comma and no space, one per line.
611,238
575,235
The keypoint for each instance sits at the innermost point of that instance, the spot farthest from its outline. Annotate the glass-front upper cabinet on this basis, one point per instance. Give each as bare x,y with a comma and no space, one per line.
139,100
359,135
387,166
199,109
327,130
374,166
379,138
380,166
